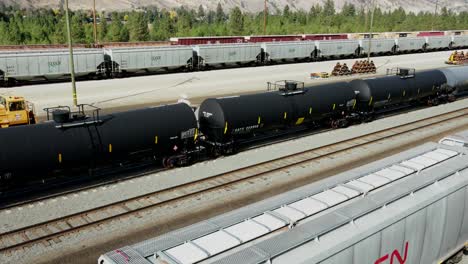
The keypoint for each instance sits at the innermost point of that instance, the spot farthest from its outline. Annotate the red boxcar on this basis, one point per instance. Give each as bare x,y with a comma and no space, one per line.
430,33
273,38
325,36
206,40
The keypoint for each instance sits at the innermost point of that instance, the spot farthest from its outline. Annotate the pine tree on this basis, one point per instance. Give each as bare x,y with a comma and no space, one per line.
137,27
286,11
15,35
3,33
113,33
220,16
201,12
102,28
124,34
329,8
236,21
77,29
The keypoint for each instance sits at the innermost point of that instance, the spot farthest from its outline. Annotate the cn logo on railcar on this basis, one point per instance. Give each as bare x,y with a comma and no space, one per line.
395,257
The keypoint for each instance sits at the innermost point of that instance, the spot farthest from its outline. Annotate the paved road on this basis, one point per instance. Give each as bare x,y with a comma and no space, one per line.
156,89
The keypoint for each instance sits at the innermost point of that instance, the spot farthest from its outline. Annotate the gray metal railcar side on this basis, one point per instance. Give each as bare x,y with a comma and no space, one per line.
50,65
232,54
333,48
149,59
438,43
421,220
410,44
288,51
460,41
316,222
378,46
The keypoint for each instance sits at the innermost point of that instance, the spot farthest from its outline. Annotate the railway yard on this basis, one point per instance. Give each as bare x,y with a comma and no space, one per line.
332,170
77,227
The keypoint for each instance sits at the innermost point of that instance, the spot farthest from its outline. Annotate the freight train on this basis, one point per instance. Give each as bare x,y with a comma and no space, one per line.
50,65
176,135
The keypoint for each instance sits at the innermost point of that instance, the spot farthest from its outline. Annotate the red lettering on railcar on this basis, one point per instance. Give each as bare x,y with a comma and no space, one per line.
394,256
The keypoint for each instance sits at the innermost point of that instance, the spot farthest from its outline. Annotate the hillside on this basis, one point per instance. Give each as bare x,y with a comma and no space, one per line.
246,5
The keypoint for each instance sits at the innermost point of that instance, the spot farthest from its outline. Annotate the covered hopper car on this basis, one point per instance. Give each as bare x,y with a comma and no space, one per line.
49,65
200,53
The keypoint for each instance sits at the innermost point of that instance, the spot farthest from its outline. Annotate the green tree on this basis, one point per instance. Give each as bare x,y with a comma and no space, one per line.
220,16
286,11
124,34
329,8
102,28
15,35
113,33
137,26
77,29
201,12
4,33
349,10
236,21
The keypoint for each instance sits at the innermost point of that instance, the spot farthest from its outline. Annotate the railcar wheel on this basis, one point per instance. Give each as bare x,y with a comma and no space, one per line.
6,177
168,163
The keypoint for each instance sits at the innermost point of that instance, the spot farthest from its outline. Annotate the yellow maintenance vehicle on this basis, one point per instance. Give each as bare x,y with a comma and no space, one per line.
15,111
458,58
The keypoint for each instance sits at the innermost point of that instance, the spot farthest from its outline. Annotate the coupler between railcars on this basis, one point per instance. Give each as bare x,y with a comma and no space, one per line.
185,158
217,149
339,123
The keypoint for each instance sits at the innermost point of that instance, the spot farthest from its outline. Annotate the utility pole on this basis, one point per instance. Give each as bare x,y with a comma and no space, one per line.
370,29
265,18
435,14
72,64
95,24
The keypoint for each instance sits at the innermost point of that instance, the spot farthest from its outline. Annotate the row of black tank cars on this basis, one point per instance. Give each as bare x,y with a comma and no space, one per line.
176,135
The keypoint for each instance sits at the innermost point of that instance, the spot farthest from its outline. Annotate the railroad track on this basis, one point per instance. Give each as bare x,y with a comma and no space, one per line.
56,229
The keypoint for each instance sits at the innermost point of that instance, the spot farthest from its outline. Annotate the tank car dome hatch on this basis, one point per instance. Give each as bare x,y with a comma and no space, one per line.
290,86
61,115
286,87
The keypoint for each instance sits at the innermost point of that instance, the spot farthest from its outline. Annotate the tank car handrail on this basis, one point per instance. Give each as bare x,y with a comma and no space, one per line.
402,72
285,85
80,114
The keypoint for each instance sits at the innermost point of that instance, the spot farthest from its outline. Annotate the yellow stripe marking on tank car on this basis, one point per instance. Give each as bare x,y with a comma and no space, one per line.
300,120
354,104
155,140
196,134
310,110
225,127
334,106
110,148
285,115
259,120
60,157
404,92
370,101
